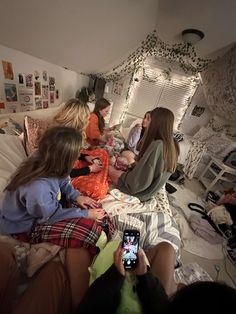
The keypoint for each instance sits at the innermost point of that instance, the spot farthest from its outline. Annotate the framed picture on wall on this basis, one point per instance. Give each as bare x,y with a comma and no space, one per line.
29,80
197,111
51,83
8,71
45,76
52,97
21,79
37,87
10,92
45,91
2,105
45,104
38,103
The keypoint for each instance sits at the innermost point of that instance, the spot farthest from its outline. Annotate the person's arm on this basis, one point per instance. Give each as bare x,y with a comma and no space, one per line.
103,296
151,294
140,178
42,203
133,137
68,190
82,157
80,172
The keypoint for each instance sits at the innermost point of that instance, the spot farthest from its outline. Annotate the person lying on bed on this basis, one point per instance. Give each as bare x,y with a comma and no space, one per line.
156,161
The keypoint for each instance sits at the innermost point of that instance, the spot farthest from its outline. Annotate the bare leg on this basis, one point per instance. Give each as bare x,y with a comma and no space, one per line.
9,275
162,259
48,292
77,263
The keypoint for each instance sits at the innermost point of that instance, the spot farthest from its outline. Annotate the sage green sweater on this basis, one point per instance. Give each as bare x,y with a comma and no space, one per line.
148,175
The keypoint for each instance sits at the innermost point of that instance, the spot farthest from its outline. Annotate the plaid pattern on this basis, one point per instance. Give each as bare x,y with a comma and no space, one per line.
72,233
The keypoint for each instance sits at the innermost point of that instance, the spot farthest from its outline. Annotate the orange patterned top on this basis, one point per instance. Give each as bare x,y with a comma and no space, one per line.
92,131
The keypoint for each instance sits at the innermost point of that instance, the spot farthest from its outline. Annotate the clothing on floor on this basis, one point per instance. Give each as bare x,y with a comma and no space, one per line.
203,229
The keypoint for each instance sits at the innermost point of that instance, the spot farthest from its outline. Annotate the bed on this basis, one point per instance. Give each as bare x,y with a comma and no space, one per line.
216,139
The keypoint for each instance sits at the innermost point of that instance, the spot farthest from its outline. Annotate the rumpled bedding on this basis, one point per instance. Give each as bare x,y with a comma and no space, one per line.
116,203
153,218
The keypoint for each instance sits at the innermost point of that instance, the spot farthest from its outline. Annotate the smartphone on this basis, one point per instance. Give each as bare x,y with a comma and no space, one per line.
97,161
130,245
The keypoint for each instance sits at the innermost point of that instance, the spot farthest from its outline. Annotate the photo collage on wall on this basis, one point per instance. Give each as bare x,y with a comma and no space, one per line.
26,91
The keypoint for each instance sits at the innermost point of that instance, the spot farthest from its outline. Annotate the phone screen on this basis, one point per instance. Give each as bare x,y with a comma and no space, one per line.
130,246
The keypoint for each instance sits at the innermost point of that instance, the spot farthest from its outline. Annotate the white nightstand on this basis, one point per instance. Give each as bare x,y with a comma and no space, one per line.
220,171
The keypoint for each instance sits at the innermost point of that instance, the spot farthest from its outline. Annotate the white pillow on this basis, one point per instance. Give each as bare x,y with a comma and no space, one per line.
217,143
204,134
12,153
218,124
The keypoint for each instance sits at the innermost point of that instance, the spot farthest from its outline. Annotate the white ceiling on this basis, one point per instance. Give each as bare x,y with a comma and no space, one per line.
90,35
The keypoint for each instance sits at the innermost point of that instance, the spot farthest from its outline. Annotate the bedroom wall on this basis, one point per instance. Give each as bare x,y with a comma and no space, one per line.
191,124
116,93
66,82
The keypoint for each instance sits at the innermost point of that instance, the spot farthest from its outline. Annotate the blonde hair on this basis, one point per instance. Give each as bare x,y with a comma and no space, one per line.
74,114
161,128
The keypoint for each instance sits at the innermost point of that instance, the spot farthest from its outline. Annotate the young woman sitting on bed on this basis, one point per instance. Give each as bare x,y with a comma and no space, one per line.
96,132
76,114
156,161
137,134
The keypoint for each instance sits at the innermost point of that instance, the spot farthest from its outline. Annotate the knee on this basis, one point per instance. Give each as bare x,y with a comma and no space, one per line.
165,246
160,250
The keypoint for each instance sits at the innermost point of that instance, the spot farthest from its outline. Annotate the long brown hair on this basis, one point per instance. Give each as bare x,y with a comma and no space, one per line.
161,128
101,104
58,149
141,138
74,114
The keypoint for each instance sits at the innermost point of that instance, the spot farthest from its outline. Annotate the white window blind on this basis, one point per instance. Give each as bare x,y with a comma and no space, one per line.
173,94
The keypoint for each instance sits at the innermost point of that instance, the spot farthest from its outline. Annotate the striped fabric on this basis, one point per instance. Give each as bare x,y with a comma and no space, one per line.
154,228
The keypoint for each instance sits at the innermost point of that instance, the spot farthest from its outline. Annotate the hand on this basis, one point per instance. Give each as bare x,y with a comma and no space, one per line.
118,260
85,201
90,158
95,168
141,267
96,214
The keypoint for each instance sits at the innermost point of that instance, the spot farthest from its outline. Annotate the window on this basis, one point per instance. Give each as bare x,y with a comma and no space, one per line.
157,88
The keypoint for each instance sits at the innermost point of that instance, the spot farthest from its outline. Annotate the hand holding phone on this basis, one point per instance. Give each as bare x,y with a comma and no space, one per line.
97,161
130,245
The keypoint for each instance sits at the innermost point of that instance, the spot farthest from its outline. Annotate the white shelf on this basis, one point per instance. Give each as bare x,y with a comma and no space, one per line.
224,173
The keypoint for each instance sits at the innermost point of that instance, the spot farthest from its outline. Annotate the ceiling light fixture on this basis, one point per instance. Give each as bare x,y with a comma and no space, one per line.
192,36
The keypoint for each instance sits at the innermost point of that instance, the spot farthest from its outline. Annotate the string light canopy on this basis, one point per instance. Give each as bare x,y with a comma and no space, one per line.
182,53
